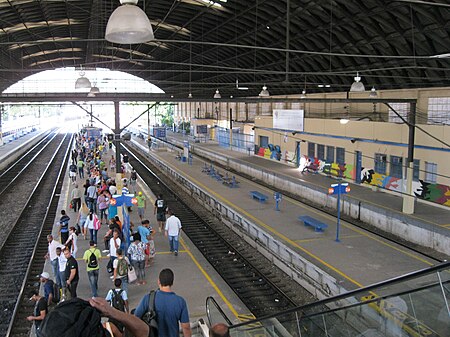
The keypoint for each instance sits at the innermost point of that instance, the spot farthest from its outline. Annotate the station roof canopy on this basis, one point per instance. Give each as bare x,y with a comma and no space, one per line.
231,45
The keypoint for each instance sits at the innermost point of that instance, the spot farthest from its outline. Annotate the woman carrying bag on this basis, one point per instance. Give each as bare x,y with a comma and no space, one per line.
93,224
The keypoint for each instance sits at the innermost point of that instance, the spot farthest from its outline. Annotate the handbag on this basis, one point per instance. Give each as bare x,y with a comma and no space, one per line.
131,274
97,224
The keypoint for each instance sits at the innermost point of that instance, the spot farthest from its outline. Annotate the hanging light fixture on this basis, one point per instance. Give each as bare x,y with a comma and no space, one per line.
82,82
373,93
129,24
357,86
190,95
303,95
94,91
217,94
264,92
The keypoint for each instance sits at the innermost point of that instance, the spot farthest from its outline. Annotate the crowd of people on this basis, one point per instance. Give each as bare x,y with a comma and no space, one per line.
93,209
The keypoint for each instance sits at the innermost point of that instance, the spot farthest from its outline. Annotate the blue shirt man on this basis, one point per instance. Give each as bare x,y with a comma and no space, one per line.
171,309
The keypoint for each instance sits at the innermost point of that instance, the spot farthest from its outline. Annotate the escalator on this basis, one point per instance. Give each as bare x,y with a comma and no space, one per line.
415,304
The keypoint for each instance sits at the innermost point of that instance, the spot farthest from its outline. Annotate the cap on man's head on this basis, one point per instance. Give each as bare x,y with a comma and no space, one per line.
45,275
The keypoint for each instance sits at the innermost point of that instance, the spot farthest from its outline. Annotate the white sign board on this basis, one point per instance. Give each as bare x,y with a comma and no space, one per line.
288,119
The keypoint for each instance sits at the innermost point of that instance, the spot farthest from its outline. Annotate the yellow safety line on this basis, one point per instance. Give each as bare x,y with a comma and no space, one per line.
262,224
213,284
292,242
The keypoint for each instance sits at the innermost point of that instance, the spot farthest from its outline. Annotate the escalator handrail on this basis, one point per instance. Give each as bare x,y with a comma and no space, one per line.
211,299
353,293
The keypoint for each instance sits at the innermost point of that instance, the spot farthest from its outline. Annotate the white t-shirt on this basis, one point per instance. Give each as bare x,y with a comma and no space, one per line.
112,247
173,225
62,262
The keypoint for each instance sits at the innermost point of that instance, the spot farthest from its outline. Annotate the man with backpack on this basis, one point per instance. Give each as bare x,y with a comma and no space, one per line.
118,298
170,308
120,266
92,258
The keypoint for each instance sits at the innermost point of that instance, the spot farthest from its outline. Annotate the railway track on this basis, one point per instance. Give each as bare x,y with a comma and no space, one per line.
261,286
22,254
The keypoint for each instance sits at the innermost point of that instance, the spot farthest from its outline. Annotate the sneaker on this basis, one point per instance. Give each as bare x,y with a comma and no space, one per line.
105,251
111,277
108,255
176,253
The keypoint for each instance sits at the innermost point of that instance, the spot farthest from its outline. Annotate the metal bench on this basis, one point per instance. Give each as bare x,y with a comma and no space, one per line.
259,196
230,182
319,226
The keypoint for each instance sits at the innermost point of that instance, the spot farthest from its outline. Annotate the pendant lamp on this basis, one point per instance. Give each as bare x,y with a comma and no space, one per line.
357,86
129,24
264,92
82,82
217,94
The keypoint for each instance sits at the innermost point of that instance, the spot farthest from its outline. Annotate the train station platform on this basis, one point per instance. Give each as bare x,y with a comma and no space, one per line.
9,152
195,278
323,265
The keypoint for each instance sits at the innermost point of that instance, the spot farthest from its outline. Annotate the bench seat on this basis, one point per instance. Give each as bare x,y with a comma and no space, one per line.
319,226
259,196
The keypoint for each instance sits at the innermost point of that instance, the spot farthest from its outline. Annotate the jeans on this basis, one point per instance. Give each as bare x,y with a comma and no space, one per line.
124,286
93,281
93,235
139,266
61,279
55,267
173,242
103,214
81,172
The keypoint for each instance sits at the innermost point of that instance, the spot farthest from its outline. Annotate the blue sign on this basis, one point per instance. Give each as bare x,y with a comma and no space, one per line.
340,188
277,196
160,132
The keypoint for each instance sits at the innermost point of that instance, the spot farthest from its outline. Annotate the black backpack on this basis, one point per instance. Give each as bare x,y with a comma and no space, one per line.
93,261
117,300
150,316
73,318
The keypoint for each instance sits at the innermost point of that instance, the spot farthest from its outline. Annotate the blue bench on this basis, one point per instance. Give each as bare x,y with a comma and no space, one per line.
258,195
319,226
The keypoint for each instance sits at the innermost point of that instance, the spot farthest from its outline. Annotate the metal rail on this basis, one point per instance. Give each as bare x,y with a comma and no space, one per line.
247,272
18,271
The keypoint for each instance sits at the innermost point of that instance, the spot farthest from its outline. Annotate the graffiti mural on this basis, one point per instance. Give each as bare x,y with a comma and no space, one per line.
432,192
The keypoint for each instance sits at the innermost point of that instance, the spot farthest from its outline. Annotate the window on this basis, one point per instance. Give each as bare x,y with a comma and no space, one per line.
402,109
340,155
321,152
263,141
311,150
430,172
330,154
380,163
416,169
438,110
396,167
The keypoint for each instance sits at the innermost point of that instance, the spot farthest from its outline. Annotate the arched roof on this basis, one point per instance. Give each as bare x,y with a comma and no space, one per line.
201,45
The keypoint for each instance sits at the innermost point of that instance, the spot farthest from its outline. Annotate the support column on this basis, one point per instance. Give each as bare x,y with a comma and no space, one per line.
231,129
408,198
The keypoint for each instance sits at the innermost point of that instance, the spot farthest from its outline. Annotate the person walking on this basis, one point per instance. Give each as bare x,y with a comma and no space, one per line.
114,244
170,308
64,226
160,211
120,266
82,216
39,312
72,273
173,228
72,241
137,253
141,204
103,204
118,298
80,166
92,258
145,232
76,198
92,223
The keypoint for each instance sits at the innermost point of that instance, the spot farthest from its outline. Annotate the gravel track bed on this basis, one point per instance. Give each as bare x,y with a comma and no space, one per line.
14,199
